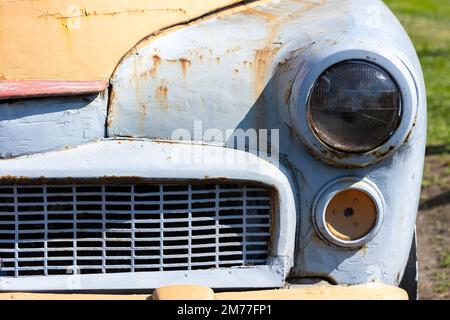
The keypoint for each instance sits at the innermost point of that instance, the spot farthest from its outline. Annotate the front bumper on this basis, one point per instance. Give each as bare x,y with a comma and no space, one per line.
372,291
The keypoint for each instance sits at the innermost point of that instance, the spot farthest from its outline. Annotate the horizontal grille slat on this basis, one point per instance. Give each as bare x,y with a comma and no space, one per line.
136,219
197,210
147,248
53,228
27,204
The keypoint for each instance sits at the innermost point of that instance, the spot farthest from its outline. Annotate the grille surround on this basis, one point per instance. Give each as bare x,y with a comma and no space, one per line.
252,252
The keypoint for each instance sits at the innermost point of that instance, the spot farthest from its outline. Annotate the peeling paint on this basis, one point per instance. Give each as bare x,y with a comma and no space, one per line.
85,38
86,13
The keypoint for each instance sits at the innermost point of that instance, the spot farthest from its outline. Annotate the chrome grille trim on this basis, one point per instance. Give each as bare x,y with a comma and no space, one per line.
52,229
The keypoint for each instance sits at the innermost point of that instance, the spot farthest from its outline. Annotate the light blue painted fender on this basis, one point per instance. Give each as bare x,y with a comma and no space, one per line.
250,69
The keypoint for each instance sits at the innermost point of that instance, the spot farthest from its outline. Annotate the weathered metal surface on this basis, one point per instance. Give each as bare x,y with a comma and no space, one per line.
163,161
237,71
83,39
215,70
44,88
36,125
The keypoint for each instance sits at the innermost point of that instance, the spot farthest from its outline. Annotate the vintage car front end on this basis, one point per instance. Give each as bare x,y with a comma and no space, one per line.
263,145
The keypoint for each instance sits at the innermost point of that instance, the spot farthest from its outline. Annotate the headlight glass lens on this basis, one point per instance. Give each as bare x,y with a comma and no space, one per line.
354,106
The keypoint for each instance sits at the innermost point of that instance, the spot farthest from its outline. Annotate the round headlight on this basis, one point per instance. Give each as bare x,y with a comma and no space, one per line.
354,106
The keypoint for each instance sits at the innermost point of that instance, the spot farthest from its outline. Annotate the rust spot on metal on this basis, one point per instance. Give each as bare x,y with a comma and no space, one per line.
230,50
143,116
161,96
111,100
156,63
410,131
184,64
334,154
264,55
85,13
408,137
262,62
287,94
382,154
12,179
165,141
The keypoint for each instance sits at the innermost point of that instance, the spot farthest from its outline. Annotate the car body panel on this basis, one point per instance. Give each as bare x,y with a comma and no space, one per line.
83,39
41,124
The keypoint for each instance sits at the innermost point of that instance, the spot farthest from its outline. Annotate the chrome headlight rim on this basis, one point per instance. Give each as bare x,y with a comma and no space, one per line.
315,67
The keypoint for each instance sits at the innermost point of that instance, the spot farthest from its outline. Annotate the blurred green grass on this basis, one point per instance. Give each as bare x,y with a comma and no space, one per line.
428,24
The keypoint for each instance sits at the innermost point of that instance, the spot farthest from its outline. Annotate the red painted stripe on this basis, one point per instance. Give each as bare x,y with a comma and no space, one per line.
17,89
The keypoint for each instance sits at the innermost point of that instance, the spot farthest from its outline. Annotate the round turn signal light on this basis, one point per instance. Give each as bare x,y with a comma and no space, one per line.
348,212
350,215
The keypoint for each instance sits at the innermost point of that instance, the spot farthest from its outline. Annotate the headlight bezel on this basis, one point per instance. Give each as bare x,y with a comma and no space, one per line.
333,188
315,67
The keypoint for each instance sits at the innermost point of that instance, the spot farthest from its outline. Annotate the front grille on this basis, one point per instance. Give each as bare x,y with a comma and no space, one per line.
95,228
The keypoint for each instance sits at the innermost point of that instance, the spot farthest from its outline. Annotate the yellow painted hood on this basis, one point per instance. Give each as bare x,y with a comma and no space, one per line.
83,39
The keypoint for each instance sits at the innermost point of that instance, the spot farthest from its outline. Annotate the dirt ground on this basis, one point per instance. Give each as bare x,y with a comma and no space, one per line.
433,229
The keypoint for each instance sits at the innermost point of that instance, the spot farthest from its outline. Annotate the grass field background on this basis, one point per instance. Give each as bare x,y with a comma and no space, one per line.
428,24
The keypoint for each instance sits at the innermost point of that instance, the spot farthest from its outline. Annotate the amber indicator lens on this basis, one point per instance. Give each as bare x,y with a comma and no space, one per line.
354,106
350,215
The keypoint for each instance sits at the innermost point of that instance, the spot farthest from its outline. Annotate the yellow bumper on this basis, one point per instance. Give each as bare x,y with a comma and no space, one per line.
373,291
